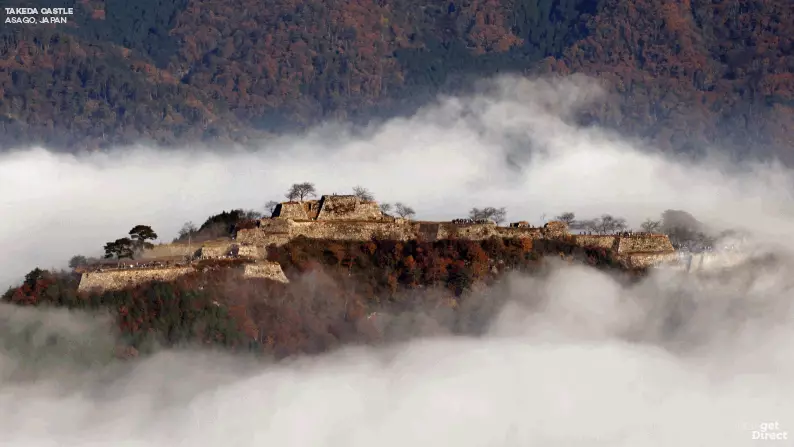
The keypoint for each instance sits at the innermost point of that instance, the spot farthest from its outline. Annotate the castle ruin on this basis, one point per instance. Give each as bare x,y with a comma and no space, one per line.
348,218
334,217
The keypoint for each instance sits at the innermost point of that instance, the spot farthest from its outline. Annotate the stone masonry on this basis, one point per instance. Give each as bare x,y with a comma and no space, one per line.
118,279
349,218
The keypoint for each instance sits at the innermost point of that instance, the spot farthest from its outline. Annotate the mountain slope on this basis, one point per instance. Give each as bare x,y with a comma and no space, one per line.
683,73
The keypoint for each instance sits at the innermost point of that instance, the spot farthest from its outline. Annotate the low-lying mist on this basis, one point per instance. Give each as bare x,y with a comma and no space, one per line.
514,144
575,357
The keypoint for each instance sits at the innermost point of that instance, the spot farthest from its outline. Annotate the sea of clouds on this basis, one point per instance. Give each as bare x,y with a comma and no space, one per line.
575,359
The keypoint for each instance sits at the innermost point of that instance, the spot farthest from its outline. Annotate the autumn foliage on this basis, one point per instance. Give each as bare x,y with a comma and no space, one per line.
335,288
683,73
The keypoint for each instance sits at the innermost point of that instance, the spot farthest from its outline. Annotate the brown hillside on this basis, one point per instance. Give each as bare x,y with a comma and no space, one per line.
684,73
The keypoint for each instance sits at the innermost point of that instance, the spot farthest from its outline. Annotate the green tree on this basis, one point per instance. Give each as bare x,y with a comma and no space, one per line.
120,248
140,234
77,261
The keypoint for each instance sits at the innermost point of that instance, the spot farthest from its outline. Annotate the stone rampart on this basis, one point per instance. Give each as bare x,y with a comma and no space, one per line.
279,231
647,259
600,241
169,250
122,278
217,251
520,232
252,251
266,270
291,210
348,208
643,243
118,279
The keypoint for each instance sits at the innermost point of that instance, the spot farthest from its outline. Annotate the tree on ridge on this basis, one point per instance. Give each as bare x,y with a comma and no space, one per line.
300,191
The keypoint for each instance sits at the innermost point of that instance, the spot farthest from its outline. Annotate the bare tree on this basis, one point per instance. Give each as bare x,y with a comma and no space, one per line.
568,217
651,226
404,210
385,208
363,194
187,230
495,214
270,207
606,224
300,191
252,214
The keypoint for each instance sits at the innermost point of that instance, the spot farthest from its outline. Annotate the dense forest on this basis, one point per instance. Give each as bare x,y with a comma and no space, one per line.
683,73
339,293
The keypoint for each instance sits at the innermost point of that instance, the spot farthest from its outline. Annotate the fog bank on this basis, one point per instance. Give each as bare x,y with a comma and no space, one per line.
513,144
574,359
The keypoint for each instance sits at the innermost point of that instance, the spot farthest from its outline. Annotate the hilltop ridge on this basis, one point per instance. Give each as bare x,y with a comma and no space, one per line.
341,250
348,218
682,74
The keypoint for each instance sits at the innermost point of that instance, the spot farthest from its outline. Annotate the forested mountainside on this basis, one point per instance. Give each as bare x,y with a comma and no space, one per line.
683,72
340,293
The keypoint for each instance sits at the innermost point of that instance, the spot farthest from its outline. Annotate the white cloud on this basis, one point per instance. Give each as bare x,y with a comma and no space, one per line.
576,358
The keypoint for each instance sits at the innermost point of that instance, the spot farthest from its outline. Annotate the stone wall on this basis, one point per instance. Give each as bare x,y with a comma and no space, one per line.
291,210
520,232
354,231
252,251
601,241
280,231
555,229
645,259
266,270
643,243
636,250
169,250
348,208
214,251
119,279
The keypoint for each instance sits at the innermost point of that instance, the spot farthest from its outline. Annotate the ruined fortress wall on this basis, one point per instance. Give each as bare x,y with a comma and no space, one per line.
520,232
473,231
291,210
348,208
273,225
601,241
266,270
214,251
353,231
642,260
644,243
119,279
555,229
169,250
252,251
260,236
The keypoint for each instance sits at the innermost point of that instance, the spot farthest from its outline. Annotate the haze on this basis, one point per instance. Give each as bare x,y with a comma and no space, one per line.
575,359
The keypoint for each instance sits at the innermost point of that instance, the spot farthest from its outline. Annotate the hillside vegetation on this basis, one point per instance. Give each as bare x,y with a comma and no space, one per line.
682,72
340,293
